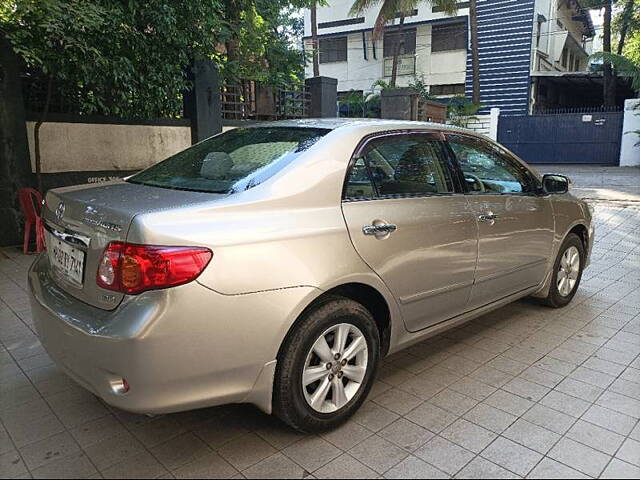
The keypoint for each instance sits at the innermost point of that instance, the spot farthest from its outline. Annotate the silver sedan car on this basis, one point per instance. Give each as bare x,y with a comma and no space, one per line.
277,264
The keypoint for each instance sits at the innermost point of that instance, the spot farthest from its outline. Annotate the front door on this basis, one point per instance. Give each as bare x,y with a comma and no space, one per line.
409,223
515,223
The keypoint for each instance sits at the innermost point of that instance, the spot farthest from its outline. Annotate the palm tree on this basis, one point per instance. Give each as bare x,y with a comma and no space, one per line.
623,66
609,91
314,38
390,9
475,55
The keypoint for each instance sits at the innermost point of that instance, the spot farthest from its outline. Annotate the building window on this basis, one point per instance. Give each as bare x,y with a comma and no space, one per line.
333,49
571,61
565,55
576,66
406,39
448,37
449,89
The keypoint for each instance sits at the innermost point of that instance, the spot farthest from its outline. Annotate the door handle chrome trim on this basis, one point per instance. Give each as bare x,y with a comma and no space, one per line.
378,229
487,217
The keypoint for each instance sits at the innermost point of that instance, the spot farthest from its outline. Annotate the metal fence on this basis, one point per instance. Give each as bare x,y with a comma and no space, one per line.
566,110
249,101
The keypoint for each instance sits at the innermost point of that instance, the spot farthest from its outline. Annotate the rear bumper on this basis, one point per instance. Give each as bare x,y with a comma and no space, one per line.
182,348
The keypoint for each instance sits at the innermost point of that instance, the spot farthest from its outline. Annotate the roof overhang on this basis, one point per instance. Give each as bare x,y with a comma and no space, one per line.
578,79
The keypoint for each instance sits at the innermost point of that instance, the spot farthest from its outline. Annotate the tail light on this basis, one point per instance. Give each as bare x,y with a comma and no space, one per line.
130,268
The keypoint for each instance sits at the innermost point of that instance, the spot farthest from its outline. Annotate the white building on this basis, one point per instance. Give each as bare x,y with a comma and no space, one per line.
518,39
435,48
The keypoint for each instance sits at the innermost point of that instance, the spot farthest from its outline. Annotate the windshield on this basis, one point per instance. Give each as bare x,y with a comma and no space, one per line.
233,161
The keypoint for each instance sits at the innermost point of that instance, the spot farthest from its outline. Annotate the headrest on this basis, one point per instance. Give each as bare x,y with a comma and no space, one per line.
216,166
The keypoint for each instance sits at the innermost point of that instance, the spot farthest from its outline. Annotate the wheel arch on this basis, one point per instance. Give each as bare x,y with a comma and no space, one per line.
370,297
583,233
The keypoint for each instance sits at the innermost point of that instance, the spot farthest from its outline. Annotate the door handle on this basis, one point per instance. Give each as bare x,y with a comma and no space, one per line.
380,228
487,217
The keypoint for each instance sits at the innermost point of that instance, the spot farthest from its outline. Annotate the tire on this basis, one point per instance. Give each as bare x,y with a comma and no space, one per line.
328,319
557,298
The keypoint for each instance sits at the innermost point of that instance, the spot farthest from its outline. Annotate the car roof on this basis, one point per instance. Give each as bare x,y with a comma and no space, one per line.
336,123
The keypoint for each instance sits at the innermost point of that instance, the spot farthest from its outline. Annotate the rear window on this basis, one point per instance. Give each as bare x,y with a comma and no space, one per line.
233,161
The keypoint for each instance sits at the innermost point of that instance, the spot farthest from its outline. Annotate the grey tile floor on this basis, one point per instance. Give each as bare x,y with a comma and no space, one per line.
524,391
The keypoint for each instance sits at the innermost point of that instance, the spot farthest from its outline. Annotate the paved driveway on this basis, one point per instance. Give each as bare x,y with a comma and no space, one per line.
522,391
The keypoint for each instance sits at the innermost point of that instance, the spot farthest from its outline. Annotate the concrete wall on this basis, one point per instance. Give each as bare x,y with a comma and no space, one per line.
73,147
630,145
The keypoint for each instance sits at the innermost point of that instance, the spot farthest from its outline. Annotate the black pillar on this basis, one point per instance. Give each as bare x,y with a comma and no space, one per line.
15,163
399,104
324,96
202,103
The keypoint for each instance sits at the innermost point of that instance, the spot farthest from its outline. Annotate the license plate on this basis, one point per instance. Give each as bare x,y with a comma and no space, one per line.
66,259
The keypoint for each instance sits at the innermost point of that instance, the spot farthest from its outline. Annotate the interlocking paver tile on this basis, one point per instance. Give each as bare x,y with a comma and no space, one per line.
595,437
582,458
347,435
620,403
512,456
481,468
620,469
310,453
431,417
412,467
614,421
143,465
548,418
630,452
468,435
453,401
345,466
275,466
565,403
445,455
209,465
398,401
378,454
509,402
549,468
530,435
406,435
490,418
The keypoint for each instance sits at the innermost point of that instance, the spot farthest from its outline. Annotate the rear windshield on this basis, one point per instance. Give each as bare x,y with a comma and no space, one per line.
233,161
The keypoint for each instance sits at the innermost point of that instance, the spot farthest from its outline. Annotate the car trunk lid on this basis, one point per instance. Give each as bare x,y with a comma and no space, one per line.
80,222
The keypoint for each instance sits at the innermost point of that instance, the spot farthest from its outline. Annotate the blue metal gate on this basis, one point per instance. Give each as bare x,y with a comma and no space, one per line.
588,138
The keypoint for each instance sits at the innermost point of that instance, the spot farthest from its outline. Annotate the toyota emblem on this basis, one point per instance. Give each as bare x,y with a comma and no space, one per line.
60,211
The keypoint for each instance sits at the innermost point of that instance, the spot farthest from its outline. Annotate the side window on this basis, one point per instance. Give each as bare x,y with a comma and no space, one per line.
408,164
359,183
486,169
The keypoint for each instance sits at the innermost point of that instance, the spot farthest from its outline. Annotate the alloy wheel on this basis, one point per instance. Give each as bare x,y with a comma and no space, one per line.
335,368
568,271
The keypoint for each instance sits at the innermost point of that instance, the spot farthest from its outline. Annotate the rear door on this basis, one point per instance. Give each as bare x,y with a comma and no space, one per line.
515,223
408,220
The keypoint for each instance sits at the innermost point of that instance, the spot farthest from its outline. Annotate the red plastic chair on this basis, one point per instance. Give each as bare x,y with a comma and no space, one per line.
31,203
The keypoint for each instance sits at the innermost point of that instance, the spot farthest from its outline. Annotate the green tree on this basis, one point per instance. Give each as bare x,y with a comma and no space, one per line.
609,81
391,9
115,58
131,58
624,66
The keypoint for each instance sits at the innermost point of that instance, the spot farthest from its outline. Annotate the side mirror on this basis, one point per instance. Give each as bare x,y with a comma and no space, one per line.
553,183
